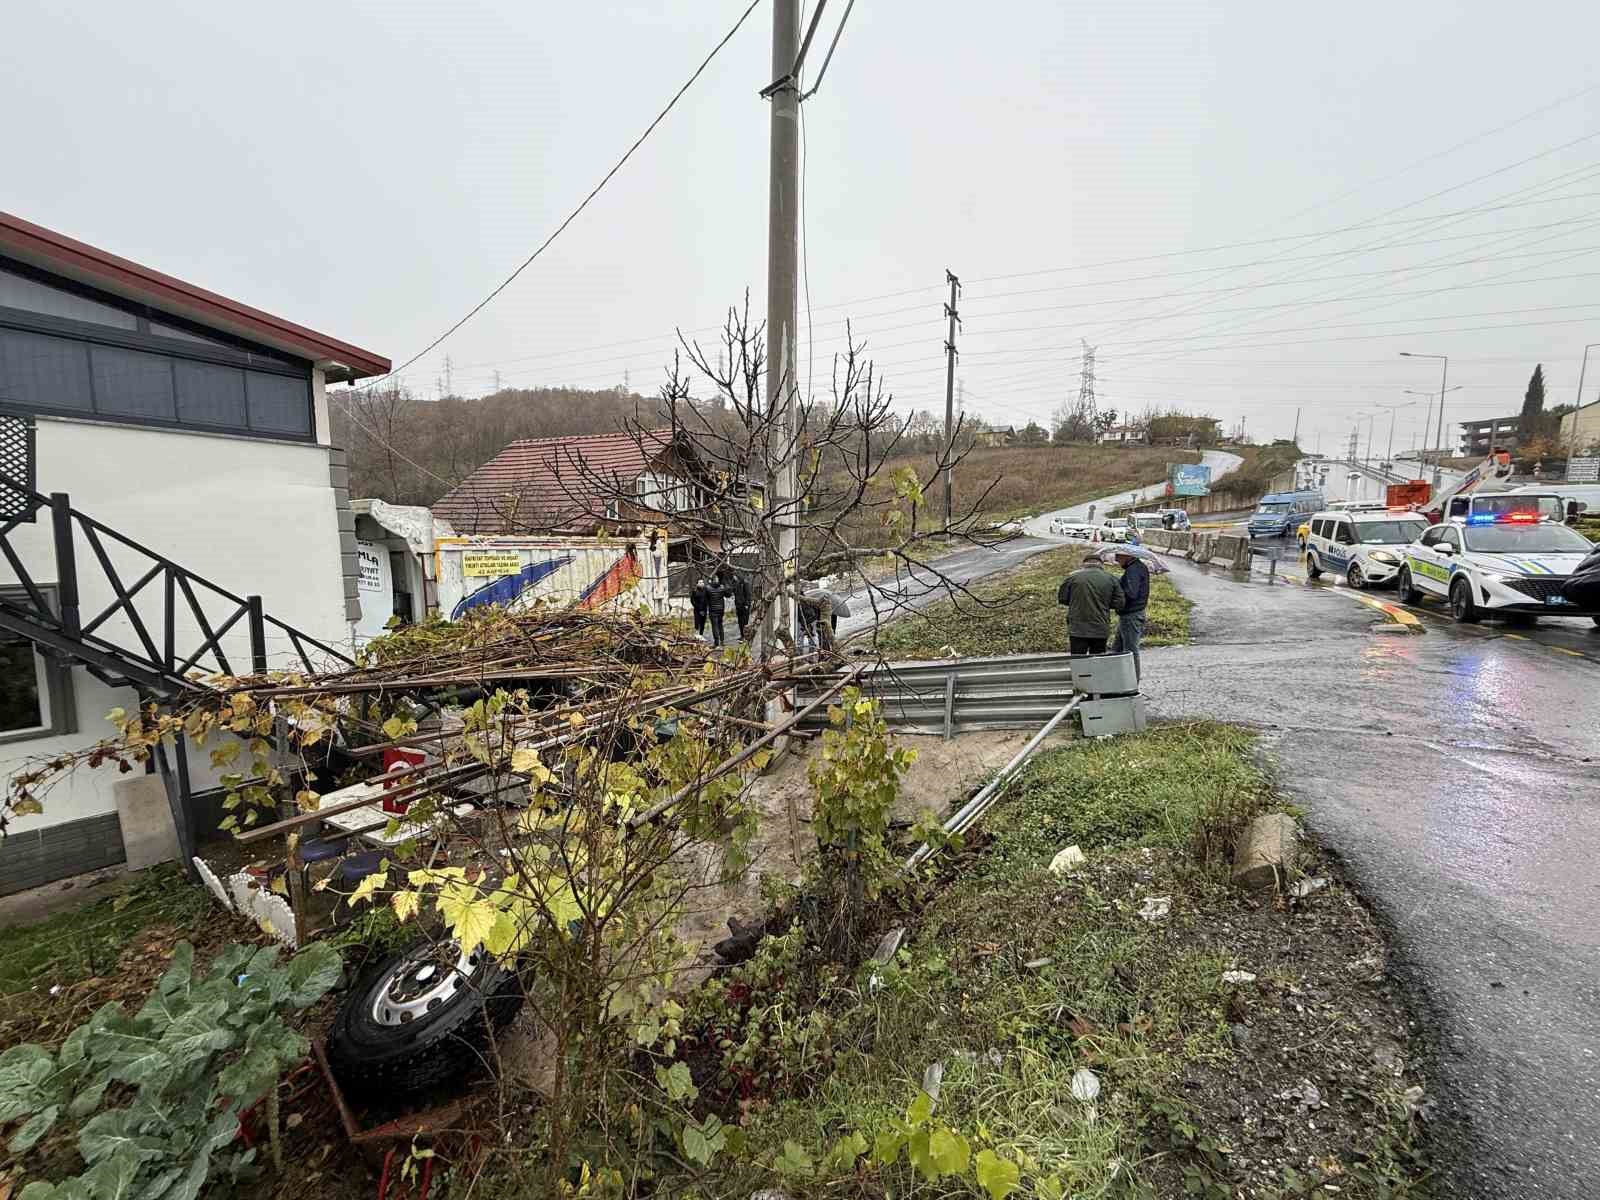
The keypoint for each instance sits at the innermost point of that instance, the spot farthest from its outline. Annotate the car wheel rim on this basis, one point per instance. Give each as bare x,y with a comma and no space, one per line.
1458,602
421,982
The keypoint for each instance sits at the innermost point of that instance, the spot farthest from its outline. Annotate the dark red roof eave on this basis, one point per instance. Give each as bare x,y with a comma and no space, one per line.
43,247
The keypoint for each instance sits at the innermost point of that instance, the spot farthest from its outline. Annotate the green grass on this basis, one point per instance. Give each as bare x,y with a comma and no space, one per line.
88,940
1130,1001
1021,615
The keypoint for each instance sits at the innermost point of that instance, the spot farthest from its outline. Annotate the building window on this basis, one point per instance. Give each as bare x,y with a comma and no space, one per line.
65,351
35,691
30,295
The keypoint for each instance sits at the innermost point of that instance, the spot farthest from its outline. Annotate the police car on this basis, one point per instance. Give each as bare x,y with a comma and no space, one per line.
1506,564
1366,545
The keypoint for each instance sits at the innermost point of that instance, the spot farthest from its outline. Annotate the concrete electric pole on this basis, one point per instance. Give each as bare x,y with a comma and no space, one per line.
783,224
950,392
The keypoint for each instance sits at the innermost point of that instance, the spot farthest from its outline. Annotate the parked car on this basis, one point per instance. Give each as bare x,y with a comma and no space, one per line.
1369,547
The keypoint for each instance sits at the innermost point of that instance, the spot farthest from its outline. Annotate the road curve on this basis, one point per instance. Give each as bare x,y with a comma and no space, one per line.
1220,462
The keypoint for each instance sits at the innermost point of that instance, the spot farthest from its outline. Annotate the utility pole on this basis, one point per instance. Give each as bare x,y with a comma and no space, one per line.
783,225
950,394
449,387
1295,437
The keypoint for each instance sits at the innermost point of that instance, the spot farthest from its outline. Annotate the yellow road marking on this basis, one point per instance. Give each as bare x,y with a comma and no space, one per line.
1520,637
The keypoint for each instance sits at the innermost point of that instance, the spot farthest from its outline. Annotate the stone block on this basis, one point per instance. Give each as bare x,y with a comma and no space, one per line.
148,835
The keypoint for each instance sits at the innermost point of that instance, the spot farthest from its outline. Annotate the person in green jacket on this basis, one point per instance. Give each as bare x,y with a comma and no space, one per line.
1091,595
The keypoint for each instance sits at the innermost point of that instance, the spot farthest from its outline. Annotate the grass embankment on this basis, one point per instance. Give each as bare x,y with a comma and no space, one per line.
1016,481
1016,982
1254,476
1021,615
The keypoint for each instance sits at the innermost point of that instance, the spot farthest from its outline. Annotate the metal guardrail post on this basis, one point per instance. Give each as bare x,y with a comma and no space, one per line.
258,635
949,705
66,562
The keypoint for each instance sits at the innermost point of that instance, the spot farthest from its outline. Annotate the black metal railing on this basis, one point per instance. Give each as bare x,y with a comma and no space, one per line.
153,652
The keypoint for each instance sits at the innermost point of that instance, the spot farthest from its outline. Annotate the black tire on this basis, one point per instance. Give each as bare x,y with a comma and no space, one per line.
1354,579
1408,590
1313,571
447,1035
1462,606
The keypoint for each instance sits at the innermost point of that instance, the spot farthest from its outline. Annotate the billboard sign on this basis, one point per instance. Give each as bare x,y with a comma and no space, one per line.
1583,469
1189,479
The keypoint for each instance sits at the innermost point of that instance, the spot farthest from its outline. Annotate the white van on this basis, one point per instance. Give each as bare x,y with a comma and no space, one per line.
1587,495
1366,545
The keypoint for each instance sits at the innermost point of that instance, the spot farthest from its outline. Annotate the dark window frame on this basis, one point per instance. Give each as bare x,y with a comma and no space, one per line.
59,697
221,349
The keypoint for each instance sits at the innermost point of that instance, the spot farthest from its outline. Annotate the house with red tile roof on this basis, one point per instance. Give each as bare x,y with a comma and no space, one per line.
588,484
572,485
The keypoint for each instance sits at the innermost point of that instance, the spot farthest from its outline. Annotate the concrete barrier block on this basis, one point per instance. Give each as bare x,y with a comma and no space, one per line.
148,836
1265,851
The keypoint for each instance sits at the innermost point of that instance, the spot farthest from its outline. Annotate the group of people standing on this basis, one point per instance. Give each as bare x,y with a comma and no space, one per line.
1092,594
709,600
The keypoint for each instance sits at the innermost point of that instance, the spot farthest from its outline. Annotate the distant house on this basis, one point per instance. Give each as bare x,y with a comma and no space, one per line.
592,483
994,438
1124,435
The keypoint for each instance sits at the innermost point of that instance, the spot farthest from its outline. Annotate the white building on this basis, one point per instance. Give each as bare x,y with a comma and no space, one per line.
1580,429
164,459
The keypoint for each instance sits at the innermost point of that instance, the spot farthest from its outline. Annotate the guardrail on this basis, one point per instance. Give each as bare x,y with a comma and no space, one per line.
1015,692
955,697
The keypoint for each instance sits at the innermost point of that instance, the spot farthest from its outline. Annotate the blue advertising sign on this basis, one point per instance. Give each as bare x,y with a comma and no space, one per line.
1189,479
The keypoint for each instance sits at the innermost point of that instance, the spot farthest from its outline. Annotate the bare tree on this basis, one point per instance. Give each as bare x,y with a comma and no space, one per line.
863,524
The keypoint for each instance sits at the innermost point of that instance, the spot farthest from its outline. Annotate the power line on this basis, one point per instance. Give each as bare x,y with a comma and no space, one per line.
667,338
573,216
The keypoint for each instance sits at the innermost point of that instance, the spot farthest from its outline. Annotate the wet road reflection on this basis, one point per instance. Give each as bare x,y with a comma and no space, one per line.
1456,773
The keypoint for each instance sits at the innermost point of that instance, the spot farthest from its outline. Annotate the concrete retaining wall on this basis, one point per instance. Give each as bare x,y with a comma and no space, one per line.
1229,550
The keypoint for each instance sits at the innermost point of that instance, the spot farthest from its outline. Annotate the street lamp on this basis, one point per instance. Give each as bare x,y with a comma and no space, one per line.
1427,420
1577,418
1394,411
1443,379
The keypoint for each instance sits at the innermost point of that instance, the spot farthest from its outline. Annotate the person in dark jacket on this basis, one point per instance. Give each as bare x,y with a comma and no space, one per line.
697,601
716,606
1091,596
1135,599
739,589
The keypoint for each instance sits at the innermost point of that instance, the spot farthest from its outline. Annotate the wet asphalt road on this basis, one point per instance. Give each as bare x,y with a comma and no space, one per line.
1457,774
923,587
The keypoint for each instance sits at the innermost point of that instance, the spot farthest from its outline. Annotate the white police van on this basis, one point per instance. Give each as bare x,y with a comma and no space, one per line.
1366,545
1497,564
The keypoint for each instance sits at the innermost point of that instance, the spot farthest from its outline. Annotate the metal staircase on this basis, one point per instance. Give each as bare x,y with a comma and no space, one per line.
141,639
145,637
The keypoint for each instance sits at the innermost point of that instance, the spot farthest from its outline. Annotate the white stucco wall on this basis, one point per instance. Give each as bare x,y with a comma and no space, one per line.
252,516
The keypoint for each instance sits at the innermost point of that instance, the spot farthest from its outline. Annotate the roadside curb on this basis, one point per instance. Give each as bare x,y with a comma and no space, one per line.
1405,620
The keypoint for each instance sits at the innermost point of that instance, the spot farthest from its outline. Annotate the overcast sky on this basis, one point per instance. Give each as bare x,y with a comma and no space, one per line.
373,169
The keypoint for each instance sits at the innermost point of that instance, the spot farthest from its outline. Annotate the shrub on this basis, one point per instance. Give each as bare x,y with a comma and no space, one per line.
196,1055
